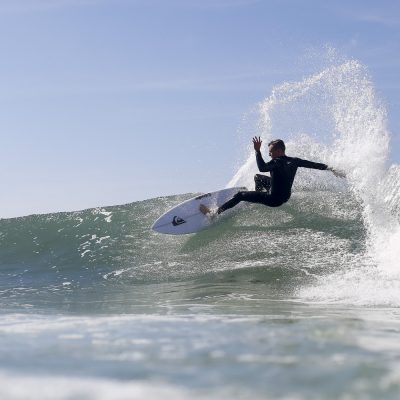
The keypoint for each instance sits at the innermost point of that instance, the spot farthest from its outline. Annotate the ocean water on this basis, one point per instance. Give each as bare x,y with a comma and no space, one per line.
299,302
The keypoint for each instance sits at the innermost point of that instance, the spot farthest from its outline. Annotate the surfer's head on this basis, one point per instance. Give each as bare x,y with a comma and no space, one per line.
276,148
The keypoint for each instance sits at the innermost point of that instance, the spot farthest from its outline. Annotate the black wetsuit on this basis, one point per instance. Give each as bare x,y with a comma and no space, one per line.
278,188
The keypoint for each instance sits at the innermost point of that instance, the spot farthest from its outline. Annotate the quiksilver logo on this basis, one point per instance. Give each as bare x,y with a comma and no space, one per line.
177,221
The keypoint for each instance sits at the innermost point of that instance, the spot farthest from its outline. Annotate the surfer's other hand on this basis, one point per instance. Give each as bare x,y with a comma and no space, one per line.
337,173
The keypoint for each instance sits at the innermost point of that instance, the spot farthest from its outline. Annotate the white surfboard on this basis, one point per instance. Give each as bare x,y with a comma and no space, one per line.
186,217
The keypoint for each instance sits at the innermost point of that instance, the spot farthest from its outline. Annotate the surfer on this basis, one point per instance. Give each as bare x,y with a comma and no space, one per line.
273,190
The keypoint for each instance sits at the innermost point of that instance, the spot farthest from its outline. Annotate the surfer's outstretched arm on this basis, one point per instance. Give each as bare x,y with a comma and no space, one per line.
314,165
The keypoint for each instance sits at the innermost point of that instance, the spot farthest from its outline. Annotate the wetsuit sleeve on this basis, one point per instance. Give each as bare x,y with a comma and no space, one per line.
262,165
310,164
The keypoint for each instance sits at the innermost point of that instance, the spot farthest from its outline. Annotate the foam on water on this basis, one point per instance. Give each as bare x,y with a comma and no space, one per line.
49,387
335,117
345,352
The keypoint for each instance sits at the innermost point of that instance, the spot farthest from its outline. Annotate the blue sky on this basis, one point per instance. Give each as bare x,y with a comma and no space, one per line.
110,101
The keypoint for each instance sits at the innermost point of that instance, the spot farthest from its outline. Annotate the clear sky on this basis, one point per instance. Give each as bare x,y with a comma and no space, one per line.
107,102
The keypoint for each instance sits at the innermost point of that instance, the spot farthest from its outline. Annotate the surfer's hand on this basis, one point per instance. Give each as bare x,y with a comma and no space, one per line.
257,143
338,174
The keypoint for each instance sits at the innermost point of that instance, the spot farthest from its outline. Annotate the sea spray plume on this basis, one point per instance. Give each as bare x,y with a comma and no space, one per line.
361,123
391,190
363,140
276,107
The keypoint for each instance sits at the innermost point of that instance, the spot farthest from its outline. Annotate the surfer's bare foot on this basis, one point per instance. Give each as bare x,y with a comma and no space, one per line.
204,209
211,214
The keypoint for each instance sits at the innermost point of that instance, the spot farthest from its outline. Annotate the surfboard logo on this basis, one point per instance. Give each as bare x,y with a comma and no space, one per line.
177,221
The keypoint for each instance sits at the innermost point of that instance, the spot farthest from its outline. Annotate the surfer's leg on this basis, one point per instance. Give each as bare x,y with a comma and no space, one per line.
262,182
236,199
251,197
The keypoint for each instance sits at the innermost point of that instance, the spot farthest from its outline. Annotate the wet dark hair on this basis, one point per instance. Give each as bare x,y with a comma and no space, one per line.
278,144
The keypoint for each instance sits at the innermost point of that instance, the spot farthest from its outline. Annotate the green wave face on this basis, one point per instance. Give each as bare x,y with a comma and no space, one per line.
96,255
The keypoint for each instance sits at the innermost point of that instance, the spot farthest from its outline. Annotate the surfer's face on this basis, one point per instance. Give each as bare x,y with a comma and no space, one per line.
275,152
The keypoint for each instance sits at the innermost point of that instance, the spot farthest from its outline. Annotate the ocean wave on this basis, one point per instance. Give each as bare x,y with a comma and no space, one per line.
337,238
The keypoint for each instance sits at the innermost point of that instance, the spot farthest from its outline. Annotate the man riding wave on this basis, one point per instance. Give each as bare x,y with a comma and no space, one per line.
275,190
